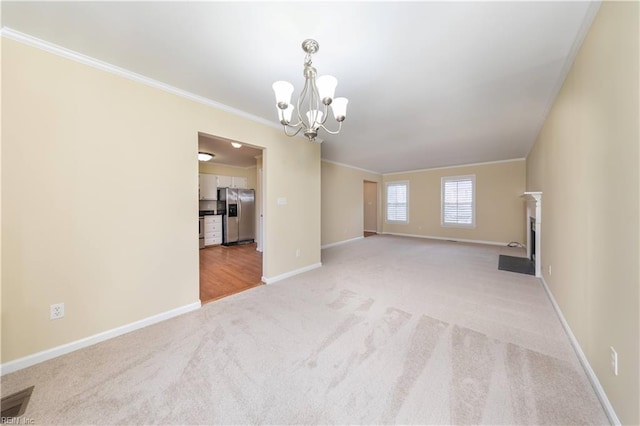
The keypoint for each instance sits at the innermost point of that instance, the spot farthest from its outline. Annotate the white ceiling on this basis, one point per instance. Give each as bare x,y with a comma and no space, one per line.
429,83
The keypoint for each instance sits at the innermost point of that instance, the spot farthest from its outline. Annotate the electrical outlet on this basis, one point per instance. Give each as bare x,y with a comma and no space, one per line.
298,252
549,269
614,361
56,311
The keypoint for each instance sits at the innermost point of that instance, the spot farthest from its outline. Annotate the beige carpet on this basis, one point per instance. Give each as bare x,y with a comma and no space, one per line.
389,330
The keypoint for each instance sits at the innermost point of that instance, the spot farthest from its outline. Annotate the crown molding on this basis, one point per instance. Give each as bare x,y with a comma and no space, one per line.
29,40
458,166
351,167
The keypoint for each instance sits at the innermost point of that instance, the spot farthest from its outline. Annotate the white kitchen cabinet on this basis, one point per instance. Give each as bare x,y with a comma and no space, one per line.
224,181
239,182
208,187
231,182
212,230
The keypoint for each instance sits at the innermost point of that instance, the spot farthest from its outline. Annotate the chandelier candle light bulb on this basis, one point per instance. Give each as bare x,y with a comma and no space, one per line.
285,114
283,90
326,88
339,108
315,117
313,103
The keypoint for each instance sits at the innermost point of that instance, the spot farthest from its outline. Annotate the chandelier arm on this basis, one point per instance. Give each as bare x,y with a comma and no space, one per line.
317,104
303,94
324,115
329,131
293,134
293,126
313,102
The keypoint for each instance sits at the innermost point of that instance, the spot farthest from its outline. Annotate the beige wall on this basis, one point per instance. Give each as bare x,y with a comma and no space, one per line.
1,203
99,198
585,162
500,210
342,202
371,206
220,169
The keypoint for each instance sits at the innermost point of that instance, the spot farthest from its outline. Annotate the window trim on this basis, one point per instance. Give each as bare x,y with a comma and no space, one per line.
386,202
445,179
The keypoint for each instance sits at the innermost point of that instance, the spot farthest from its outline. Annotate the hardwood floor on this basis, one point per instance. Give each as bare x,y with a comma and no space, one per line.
369,234
228,270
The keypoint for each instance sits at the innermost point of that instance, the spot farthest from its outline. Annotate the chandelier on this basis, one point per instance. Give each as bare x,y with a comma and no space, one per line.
314,100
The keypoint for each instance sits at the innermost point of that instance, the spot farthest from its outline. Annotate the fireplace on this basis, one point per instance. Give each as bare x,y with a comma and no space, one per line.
532,238
533,219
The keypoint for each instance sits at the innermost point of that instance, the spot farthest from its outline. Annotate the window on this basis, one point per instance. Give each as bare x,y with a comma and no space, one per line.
398,202
458,201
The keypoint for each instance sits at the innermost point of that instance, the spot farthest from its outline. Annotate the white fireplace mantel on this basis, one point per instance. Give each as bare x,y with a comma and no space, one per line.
534,209
533,196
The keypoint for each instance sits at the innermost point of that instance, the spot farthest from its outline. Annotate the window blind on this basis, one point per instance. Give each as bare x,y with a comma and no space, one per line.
457,208
397,202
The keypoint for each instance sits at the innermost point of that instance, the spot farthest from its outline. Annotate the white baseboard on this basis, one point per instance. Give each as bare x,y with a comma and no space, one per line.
597,387
371,230
290,273
341,242
493,243
29,360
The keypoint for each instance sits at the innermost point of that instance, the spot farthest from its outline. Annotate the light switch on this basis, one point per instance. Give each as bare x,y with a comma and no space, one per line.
282,201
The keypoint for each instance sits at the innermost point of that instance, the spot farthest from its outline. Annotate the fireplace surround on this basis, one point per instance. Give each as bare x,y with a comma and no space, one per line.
534,229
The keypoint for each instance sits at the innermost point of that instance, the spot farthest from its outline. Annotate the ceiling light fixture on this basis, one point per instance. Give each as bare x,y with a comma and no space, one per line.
236,144
204,156
315,98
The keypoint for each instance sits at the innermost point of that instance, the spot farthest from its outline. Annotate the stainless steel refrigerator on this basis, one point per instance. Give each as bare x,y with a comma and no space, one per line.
238,221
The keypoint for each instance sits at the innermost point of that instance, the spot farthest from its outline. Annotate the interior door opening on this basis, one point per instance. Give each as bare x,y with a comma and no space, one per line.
227,267
370,208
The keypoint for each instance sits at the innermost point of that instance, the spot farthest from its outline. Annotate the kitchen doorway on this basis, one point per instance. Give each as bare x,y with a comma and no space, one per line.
229,261
370,208
227,270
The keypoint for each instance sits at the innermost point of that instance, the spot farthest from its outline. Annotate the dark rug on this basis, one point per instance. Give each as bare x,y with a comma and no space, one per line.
521,265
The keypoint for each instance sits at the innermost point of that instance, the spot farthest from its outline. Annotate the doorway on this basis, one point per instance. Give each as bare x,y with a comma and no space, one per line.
370,208
229,265
228,270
